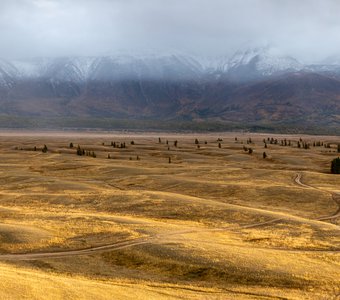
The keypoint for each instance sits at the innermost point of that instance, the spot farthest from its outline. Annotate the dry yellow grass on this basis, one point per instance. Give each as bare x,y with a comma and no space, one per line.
215,223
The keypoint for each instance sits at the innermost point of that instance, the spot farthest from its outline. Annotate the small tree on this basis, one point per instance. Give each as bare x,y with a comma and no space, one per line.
175,143
264,155
196,141
250,150
79,151
335,166
71,145
44,149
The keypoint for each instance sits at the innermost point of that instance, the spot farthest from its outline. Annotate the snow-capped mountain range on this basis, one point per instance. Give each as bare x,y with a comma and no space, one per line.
260,86
243,65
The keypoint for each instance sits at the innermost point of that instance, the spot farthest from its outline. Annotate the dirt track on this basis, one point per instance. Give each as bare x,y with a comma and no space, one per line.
335,197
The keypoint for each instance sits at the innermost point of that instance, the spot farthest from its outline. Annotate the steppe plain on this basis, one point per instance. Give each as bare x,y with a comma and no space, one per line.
155,221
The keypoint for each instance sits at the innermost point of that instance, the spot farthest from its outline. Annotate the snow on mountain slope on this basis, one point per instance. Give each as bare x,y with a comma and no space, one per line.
213,63
145,67
264,61
114,67
70,69
7,73
31,68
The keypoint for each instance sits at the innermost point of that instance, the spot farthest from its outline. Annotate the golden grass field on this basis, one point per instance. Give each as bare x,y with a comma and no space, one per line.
215,223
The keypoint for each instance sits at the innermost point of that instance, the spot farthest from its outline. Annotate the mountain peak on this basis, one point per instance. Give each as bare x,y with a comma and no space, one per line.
259,62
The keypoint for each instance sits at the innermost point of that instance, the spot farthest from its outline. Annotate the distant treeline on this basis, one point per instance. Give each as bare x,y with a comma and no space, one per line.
178,125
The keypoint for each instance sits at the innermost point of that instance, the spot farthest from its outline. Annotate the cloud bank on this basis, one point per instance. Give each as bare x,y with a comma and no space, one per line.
306,29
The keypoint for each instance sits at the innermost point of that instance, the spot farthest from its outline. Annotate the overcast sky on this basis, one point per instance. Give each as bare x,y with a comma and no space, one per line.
306,29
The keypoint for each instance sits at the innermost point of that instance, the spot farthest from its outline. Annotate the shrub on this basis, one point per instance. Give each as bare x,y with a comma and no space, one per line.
335,166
